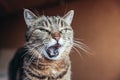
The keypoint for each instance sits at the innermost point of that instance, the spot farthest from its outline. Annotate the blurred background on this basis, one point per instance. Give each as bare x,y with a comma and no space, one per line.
96,23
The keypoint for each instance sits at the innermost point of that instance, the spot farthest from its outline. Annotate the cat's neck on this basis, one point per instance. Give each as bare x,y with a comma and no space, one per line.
54,69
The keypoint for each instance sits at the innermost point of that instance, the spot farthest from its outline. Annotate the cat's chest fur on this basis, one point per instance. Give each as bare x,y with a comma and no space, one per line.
46,69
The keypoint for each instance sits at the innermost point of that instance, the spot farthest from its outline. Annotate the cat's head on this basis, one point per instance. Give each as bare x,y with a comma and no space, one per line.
51,36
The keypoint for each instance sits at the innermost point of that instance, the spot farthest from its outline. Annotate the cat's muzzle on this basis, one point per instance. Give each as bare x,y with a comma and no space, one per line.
52,51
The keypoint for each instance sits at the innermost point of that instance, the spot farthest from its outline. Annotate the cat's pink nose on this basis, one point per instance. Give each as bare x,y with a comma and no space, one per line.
56,36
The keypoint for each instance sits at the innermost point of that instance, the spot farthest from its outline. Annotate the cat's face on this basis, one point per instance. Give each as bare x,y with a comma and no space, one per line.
51,36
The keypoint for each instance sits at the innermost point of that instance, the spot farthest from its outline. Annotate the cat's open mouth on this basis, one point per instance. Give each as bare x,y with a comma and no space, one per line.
52,51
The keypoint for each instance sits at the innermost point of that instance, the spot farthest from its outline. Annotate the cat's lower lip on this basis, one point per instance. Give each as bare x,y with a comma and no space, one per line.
52,51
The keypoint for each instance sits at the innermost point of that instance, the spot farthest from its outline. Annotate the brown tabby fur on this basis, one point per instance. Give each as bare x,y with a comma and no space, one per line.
30,63
43,70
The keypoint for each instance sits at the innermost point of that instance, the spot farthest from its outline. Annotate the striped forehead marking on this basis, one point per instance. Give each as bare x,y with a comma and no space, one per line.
52,23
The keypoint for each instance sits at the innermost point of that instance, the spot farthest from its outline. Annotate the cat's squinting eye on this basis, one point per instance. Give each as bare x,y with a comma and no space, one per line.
64,30
45,30
37,31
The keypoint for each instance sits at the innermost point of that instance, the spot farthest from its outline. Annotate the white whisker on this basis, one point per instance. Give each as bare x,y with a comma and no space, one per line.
77,46
81,47
31,59
78,52
29,50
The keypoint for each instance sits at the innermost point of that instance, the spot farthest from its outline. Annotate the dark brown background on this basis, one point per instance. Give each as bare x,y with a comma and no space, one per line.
96,23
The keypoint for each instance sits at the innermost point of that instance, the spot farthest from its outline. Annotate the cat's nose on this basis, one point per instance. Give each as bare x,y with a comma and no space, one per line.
56,35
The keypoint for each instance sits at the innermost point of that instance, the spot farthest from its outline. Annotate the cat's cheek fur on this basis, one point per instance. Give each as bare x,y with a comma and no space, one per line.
61,41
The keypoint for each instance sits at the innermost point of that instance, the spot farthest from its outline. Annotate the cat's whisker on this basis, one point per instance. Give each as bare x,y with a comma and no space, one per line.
26,51
25,54
78,42
32,52
41,49
78,45
27,44
32,58
33,55
81,47
35,46
29,50
74,48
77,39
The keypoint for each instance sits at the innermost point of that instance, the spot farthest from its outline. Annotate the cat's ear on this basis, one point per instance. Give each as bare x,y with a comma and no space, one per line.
69,17
29,16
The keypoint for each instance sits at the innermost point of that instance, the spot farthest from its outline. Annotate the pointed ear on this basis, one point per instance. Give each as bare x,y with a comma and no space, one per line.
69,17
29,16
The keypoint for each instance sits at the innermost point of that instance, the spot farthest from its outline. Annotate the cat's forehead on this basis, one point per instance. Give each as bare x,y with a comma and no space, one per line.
53,22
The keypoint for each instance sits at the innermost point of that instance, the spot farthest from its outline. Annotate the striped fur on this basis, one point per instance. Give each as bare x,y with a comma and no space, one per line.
46,69
45,55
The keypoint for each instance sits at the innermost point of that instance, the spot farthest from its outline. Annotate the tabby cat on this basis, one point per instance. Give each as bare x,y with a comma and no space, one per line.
45,56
